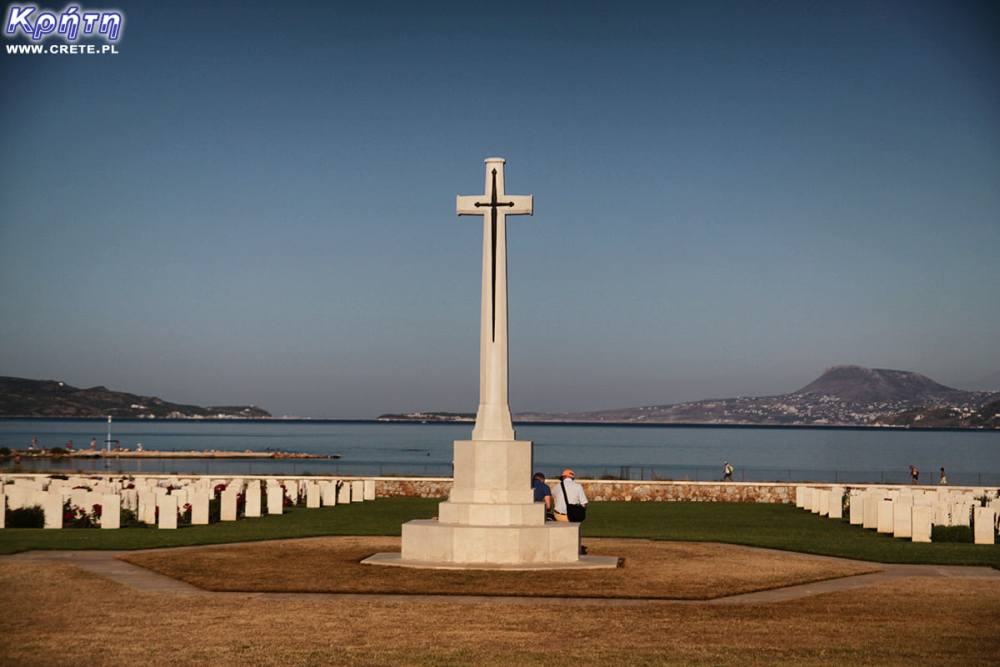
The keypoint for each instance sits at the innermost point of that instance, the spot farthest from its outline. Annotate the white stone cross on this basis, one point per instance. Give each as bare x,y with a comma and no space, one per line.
493,420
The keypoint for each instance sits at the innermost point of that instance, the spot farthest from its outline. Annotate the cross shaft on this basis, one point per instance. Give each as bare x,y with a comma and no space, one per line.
493,420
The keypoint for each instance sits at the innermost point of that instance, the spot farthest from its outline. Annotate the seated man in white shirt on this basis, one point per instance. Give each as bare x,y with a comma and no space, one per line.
568,492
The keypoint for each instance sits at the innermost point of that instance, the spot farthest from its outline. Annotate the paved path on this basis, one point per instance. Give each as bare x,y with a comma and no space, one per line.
107,564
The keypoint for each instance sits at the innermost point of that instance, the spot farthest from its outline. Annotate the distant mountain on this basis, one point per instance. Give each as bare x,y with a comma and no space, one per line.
21,397
857,384
986,416
842,395
424,417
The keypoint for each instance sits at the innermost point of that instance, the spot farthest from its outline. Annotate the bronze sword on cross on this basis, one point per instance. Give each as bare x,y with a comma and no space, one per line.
493,204
513,205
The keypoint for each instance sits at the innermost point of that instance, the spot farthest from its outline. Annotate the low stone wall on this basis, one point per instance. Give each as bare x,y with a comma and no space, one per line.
733,492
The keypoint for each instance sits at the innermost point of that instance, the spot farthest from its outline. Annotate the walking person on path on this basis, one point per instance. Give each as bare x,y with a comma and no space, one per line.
943,479
727,471
914,474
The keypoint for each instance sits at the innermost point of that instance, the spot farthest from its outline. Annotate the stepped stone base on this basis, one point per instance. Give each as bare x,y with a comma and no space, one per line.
490,520
584,563
437,542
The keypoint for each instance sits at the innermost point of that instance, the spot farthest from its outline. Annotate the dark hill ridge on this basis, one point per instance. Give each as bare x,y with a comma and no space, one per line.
869,385
21,397
842,395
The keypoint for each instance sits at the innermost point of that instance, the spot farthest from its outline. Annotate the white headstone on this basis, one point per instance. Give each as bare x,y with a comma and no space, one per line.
921,520
800,496
111,511
228,508
870,520
984,525
168,511
53,508
836,503
312,495
147,507
199,508
328,491
902,518
275,499
357,491
252,508
857,511
884,524
344,492
292,489
824,502
369,489
130,499
17,495
3,510
942,513
961,513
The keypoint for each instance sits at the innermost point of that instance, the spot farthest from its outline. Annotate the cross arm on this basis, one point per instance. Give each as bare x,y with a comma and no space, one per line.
523,204
508,204
466,205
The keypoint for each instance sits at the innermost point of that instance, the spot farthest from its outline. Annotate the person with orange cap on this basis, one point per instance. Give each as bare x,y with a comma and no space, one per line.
570,499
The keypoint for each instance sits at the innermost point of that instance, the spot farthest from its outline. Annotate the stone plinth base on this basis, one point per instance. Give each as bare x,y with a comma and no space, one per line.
438,542
584,563
490,520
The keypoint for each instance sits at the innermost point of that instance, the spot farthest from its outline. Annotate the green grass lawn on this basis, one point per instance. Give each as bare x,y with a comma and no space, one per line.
760,525
382,517
776,527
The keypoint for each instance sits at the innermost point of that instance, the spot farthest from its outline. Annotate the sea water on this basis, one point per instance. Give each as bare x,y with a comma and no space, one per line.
636,452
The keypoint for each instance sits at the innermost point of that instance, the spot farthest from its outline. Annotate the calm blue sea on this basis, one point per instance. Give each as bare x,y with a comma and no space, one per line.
620,451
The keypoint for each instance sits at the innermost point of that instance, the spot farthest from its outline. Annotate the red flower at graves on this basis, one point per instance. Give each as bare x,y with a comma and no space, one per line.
130,486
219,488
187,507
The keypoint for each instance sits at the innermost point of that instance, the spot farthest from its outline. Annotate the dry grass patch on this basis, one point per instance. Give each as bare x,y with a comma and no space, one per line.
666,570
58,615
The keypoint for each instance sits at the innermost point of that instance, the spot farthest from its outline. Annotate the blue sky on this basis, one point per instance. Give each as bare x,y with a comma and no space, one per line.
254,203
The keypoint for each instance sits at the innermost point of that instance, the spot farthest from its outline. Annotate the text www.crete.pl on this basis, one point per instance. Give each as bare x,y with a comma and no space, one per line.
63,49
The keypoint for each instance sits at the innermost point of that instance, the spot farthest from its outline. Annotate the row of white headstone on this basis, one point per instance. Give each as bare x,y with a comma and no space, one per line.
160,501
907,512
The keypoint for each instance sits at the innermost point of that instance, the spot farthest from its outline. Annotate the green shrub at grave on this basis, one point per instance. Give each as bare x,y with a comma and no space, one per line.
4,452
26,517
951,534
77,517
129,519
215,510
